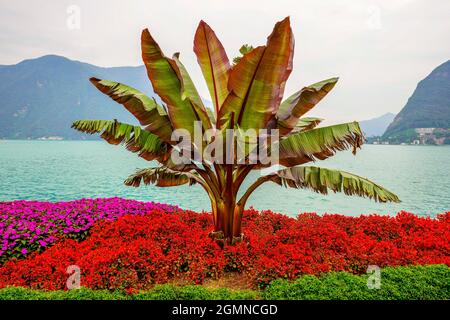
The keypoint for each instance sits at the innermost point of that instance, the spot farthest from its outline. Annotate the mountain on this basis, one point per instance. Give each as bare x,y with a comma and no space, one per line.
376,126
428,107
43,96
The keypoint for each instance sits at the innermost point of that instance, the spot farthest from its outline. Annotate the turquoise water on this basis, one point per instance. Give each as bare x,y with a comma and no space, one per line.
65,170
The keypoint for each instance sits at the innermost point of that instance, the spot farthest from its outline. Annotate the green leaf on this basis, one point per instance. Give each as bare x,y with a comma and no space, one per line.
322,180
148,145
306,123
161,177
319,143
145,109
246,48
301,102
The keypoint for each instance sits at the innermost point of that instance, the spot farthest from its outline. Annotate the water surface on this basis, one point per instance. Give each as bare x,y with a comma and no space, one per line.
65,170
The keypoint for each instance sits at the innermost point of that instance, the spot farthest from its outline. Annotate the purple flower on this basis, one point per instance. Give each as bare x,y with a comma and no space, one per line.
42,243
40,223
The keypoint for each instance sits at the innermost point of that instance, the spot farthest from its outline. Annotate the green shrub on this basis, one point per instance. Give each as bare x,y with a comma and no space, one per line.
398,283
160,292
17,293
170,292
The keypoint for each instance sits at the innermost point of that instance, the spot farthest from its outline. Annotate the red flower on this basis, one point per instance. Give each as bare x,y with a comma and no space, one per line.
136,252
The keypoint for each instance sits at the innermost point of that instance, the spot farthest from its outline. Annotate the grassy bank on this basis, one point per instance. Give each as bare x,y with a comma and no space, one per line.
400,283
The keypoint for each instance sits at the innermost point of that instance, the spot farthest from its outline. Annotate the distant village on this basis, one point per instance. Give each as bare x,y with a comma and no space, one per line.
51,138
418,136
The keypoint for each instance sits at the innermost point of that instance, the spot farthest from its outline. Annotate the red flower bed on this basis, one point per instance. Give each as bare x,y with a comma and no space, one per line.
136,252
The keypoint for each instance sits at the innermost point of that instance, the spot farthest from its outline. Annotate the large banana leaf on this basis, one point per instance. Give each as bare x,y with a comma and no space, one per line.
301,102
319,143
145,109
241,77
321,180
148,145
161,177
257,81
214,63
189,91
168,86
306,123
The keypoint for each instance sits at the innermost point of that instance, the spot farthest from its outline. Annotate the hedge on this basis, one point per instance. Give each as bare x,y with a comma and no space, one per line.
160,292
430,282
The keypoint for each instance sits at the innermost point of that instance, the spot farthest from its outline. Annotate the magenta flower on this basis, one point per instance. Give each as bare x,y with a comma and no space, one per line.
42,243
40,223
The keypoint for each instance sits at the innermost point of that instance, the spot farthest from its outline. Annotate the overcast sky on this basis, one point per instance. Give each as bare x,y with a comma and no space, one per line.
380,49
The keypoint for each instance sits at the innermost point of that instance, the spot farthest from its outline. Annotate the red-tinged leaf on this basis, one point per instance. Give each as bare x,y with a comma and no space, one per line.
167,85
257,82
214,63
189,91
240,81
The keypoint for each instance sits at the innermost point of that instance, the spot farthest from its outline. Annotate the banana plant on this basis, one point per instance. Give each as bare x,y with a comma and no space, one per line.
245,95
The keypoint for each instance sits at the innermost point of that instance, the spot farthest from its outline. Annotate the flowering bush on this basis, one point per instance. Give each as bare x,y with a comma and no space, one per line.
137,251
26,226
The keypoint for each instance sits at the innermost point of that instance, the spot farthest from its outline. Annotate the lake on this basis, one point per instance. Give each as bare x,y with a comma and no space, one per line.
66,170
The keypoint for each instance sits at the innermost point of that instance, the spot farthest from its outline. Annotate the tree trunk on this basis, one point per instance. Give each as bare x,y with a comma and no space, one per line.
227,221
227,212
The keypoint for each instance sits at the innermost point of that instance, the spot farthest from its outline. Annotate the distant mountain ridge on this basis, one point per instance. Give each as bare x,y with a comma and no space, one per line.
43,96
428,107
376,126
